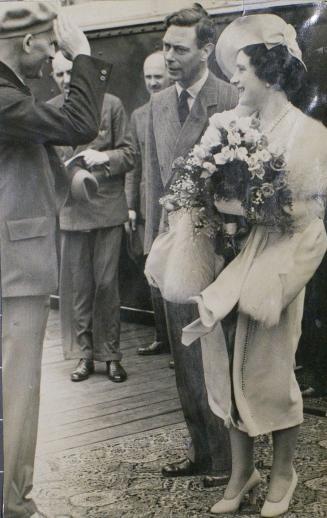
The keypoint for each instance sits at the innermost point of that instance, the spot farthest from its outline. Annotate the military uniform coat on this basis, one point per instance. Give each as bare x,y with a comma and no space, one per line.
30,171
30,178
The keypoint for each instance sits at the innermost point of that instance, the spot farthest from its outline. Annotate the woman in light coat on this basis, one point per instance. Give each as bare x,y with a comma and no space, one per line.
267,279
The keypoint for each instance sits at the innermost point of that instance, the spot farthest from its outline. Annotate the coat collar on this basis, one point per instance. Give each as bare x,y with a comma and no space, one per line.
7,75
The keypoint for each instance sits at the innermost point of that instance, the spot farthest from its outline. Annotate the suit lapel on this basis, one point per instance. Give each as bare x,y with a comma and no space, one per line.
197,120
169,120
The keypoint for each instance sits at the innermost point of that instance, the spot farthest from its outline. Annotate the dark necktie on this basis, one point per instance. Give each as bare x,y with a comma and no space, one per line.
183,108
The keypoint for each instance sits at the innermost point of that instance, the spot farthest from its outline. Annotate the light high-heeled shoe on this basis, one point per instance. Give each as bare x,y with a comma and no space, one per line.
231,505
271,509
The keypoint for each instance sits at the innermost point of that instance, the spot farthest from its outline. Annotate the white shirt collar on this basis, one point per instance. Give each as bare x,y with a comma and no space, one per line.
194,89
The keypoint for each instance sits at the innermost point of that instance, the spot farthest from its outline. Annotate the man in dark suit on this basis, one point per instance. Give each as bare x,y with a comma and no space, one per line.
156,79
91,239
178,117
30,176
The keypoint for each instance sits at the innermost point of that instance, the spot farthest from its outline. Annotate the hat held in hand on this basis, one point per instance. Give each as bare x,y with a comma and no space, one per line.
84,185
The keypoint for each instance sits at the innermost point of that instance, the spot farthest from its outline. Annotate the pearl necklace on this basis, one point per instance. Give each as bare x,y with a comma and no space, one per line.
284,111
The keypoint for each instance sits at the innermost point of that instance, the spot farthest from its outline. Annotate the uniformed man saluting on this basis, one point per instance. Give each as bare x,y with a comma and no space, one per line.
30,178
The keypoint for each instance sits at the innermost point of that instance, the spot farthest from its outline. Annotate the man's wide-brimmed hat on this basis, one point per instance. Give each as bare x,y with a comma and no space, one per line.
84,185
20,18
269,29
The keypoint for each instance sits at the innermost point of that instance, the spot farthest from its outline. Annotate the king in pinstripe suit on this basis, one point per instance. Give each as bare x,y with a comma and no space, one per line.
174,126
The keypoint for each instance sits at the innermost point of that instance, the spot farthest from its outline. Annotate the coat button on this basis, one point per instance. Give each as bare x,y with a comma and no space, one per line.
104,71
103,78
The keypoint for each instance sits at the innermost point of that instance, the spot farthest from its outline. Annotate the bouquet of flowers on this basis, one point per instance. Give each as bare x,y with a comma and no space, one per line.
189,189
234,160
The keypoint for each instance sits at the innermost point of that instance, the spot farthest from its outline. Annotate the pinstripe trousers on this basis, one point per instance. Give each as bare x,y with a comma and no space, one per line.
92,258
210,448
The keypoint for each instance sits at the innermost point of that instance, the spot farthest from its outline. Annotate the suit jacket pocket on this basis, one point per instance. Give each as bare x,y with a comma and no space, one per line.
28,228
111,187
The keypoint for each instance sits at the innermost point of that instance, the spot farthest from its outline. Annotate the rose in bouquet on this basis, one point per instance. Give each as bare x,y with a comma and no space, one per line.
234,160
249,169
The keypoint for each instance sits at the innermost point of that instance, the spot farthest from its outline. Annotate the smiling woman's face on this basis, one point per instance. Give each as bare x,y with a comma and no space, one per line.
252,90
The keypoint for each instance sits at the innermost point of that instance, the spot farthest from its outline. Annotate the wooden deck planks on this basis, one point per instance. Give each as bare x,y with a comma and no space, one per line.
81,414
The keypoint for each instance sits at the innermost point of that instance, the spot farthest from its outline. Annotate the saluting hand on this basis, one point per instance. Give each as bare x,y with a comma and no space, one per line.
71,39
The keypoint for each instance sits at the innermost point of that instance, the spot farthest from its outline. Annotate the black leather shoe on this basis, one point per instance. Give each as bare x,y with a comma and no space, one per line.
83,370
182,468
116,372
215,480
171,364
155,348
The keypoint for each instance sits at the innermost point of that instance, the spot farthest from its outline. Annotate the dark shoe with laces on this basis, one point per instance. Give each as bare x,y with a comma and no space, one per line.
83,370
181,468
116,372
155,348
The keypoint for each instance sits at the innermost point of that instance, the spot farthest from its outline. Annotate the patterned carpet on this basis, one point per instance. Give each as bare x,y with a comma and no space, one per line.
123,479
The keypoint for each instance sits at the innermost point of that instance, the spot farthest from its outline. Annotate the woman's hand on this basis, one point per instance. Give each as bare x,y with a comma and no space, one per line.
230,207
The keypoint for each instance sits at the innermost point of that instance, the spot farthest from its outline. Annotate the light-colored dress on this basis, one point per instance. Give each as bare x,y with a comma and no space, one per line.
267,280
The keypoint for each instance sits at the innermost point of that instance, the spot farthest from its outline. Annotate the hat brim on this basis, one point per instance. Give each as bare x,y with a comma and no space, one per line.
267,29
84,185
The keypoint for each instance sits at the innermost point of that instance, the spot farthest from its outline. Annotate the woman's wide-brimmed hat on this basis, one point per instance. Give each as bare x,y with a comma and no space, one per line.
254,29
